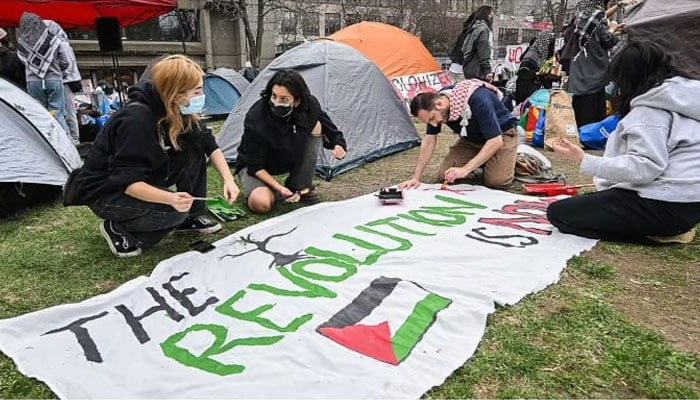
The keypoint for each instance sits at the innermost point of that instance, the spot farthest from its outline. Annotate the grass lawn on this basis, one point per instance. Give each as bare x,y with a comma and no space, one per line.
623,322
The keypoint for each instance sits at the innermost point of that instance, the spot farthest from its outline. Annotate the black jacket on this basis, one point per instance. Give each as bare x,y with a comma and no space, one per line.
277,144
128,148
11,68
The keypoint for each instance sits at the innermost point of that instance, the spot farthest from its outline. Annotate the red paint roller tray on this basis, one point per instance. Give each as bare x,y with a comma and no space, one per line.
551,189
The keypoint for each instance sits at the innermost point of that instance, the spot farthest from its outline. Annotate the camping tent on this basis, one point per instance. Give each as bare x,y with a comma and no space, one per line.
673,26
223,87
81,14
356,95
398,54
36,155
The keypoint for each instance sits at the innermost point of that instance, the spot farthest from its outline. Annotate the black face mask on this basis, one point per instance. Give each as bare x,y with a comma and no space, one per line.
281,110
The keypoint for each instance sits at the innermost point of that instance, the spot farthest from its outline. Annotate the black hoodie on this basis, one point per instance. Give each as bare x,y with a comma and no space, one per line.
277,144
128,148
11,68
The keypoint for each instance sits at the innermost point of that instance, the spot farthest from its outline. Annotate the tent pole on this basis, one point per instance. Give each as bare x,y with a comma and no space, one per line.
182,30
116,77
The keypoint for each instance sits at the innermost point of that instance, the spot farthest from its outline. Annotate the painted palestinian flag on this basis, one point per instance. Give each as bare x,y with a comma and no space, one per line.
386,320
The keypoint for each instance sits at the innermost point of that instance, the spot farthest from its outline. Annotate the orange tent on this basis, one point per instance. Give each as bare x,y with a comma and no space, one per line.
395,51
398,54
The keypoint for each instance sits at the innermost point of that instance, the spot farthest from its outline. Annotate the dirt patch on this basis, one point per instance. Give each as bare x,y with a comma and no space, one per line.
660,295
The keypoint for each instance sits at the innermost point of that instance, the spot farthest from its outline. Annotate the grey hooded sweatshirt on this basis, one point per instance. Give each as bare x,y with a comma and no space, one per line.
655,149
477,51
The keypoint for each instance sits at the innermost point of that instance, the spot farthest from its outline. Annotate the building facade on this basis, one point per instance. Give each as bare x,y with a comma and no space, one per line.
215,39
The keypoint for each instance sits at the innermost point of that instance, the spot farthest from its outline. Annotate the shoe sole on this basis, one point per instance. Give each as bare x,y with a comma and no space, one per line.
211,229
683,238
114,249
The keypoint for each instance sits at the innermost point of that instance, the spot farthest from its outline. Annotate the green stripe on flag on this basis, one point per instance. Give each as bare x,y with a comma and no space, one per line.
413,328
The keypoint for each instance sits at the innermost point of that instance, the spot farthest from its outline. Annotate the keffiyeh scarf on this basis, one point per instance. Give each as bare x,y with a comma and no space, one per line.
37,45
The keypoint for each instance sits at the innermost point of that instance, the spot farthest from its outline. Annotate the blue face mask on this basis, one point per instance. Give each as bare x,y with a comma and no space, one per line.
195,107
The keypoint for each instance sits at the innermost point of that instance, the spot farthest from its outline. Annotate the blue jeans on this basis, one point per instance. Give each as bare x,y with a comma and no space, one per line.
50,94
149,223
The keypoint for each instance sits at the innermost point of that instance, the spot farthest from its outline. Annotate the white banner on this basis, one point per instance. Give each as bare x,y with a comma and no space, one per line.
513,55
351,299
409,86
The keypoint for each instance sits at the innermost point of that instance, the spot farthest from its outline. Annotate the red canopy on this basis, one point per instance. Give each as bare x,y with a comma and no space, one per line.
81,14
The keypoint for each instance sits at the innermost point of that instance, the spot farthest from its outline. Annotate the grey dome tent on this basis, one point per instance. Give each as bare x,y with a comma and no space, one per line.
222,87
673,26
36,155
357,96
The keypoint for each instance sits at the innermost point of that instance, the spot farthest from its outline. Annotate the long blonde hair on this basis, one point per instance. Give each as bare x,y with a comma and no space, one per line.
173,76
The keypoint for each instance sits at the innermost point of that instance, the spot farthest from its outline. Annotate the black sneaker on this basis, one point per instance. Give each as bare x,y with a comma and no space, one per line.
118,240
310,197
199,224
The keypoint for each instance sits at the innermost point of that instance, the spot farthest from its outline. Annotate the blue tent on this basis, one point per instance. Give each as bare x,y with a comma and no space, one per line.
222,87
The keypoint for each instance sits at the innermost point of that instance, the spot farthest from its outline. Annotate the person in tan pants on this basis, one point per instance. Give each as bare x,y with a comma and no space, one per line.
486,129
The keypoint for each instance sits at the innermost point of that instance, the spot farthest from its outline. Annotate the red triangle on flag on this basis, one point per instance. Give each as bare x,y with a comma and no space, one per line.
371,340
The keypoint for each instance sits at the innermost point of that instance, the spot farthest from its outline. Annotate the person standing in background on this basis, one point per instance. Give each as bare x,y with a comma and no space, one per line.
588,70
456,68
44,61
478,46
11,67
71,81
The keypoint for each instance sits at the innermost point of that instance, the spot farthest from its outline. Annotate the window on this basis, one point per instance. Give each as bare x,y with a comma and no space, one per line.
528,34
289,23
352,19
332,21
166,28
310,27
507,36
393,20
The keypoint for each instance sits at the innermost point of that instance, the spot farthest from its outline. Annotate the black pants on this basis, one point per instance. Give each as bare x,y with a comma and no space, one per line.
589,108
147,222
526,84
621,216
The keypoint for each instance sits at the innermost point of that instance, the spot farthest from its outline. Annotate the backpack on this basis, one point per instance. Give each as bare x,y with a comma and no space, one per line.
571,45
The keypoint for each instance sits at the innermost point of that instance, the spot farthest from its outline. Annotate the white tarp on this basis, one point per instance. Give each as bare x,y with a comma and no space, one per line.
341,300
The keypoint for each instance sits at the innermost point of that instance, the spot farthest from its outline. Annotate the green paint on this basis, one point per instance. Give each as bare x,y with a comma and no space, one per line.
457,201
422,216
226,308
453,216
204,361
390,222
348,270
413,328
315,251
312,290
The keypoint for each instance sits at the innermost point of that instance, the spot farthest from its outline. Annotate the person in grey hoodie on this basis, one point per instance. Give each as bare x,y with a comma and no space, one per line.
478,45
648,179
71,80
44,62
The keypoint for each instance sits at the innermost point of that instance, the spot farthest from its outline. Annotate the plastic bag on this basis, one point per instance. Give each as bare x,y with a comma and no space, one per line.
538,133
595,135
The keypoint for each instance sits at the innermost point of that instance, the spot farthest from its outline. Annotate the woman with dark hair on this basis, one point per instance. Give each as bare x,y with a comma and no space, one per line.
648,180
540,50
478,46
282,133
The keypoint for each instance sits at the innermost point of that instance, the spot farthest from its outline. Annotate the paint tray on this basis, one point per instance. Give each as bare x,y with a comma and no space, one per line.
550,189
223,210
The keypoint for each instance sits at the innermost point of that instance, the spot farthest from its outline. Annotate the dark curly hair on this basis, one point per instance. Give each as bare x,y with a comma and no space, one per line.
294,82
636,68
